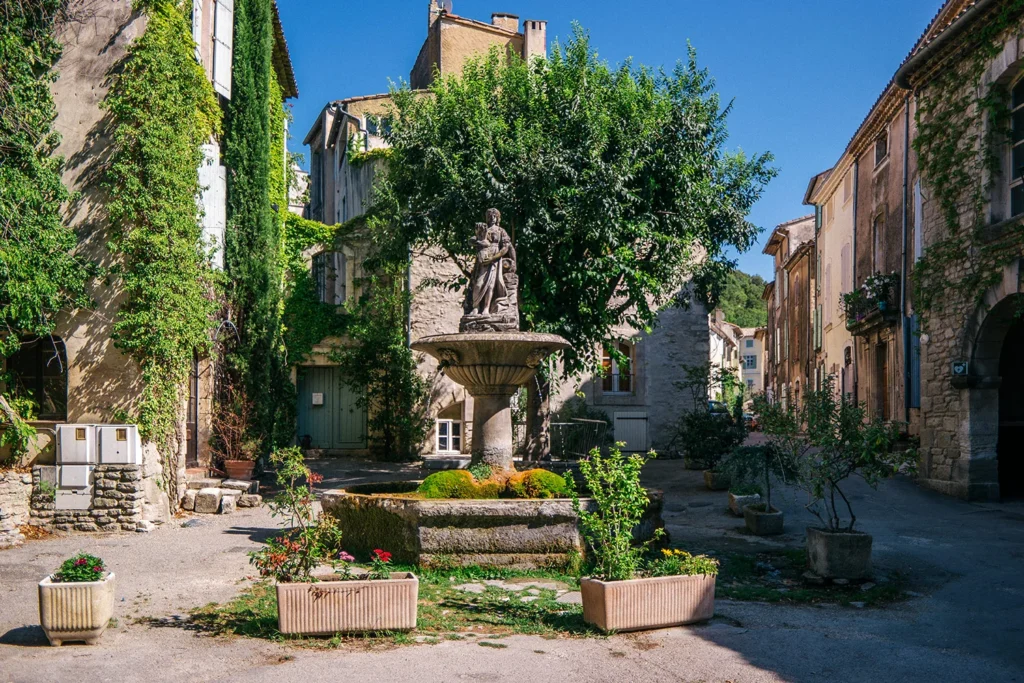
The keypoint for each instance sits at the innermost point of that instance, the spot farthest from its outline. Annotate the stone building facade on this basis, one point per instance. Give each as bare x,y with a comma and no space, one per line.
641,397
950,370
85,378
790,303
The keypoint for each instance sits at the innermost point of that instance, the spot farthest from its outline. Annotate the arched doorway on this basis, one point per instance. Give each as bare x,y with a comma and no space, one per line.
1010,448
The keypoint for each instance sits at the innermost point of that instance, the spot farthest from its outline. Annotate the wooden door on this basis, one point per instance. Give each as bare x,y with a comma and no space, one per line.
328,411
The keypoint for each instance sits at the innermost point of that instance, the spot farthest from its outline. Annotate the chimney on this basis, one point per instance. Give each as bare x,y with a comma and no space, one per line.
509,22
535,39
435,8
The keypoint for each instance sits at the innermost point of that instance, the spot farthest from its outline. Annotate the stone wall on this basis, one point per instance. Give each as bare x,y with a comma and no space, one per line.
15,490
117,498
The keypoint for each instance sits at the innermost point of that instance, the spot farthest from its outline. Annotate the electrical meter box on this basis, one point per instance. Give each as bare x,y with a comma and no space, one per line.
119,445
76,444
74,487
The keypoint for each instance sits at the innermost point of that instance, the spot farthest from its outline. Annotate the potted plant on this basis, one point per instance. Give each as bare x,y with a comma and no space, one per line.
763,463
708,432
76,602
234,444
624,592
377,600
842,442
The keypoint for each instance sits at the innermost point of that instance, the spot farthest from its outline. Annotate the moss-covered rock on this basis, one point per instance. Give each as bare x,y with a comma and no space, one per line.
536,483
450,484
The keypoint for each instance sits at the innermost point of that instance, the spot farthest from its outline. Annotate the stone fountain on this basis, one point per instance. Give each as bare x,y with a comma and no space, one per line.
490,356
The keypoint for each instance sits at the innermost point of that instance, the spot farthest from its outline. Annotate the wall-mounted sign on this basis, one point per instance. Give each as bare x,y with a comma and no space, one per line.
318,399
960,368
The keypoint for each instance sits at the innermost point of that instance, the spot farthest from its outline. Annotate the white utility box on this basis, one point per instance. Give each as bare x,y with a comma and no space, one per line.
74,487
119,445
73,499
76,444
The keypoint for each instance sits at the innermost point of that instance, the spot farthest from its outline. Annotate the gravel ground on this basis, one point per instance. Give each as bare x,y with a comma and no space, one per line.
967,624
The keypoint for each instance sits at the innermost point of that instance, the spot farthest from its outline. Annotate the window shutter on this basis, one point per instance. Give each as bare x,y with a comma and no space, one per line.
223,31
340,277
197,26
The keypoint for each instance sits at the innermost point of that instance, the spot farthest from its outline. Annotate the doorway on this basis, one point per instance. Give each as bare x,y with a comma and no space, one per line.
329,413
1010,448
882,381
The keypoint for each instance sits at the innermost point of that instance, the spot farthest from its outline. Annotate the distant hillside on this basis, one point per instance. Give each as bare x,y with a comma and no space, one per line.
741,300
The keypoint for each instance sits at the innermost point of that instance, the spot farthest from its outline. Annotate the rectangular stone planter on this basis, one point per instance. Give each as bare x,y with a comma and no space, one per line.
717,481
75,611
845,555
737,503
641,604
761,522
330,607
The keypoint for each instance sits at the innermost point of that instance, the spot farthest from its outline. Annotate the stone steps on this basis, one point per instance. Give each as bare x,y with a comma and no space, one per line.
210,495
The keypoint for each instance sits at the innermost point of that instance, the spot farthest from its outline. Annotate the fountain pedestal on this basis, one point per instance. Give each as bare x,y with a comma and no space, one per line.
491,366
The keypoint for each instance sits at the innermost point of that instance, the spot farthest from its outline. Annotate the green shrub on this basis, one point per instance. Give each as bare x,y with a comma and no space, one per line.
450,484
675,562
537,483
480,471
80,568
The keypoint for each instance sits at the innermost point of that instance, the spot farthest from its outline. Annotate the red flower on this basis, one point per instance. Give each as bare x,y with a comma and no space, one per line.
97,569
315,478
80,561
382,555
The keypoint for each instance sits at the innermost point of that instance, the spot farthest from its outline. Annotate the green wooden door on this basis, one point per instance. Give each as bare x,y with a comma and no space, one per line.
328,410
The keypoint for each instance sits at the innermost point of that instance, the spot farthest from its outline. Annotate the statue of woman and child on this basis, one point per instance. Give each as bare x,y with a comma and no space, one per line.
492,302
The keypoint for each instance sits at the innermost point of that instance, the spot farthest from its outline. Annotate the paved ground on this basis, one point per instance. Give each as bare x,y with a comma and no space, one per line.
965,559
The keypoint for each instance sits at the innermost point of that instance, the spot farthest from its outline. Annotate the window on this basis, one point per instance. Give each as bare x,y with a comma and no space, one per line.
1017,150
618,378
39,370
750,343
846,281
847,186
829,303
329,272
750,362
449,436
881,148
778,344
750,385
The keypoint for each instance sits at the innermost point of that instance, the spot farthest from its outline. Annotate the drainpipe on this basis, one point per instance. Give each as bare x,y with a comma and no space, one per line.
408,302
853,272
903,262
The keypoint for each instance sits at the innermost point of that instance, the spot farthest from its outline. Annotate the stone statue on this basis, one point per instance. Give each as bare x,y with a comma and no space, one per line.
492,303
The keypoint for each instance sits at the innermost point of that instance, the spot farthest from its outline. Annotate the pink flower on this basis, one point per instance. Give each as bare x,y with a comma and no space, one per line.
345,557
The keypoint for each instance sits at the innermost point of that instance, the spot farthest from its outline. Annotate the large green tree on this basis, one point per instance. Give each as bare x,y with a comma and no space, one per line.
741,300
615,184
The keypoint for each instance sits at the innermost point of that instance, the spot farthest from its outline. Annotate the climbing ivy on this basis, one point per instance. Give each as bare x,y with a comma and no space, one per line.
40,272
163,109
962,132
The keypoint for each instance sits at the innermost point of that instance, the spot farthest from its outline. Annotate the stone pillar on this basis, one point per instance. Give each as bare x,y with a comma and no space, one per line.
492,431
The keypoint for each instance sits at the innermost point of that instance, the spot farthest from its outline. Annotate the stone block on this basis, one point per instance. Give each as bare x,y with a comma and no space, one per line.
132,474
204,483
243,485
189,501
145,527
208,501
86,526
126,487
250,500
227,505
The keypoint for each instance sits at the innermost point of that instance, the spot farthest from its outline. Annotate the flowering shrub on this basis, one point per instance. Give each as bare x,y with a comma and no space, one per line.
675,562
380,565
312,541
81,567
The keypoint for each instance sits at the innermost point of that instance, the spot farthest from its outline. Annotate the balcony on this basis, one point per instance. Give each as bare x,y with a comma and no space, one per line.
874,306
880,317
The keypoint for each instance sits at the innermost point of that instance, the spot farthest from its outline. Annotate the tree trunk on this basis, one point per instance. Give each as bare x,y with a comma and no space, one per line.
538,418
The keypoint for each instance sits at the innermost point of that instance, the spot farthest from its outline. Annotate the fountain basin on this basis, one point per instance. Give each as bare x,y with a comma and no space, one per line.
518,533
491,366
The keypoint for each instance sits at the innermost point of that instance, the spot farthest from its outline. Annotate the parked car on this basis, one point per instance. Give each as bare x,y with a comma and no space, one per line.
719,409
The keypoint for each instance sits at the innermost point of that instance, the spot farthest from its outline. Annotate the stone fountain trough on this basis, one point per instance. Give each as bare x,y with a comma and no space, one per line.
523,534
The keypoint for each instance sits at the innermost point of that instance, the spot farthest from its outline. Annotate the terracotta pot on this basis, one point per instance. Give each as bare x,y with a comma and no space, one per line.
737,503
239,469
717,481
332,607
75,611
762,523
641,604
842,555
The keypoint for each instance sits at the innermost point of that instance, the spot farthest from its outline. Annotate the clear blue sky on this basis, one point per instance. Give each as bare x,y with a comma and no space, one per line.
803,73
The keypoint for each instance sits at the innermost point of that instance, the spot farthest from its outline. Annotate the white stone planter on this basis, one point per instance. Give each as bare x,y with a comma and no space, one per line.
75,611
737,503
641,604
330,607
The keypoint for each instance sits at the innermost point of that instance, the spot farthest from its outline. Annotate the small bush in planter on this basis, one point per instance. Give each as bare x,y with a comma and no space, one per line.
706,437
292,556
626,592
80,568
